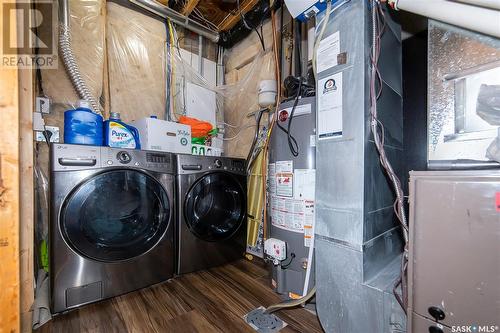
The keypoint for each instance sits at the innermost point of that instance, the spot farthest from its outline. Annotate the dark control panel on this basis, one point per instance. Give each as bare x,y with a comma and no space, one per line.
157,158
187,164
238,164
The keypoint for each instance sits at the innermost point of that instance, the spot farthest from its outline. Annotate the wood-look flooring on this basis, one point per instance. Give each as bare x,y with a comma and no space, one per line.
209,301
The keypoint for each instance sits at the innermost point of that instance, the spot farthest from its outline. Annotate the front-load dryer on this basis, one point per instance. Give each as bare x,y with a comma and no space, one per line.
211,227
111,225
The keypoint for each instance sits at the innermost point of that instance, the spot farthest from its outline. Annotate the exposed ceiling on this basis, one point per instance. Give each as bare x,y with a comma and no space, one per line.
220,15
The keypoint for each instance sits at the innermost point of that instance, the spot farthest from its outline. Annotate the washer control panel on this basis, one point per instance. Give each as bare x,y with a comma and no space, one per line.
66,157
154,161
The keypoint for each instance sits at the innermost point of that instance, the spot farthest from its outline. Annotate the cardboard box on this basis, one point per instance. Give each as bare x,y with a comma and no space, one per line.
162,135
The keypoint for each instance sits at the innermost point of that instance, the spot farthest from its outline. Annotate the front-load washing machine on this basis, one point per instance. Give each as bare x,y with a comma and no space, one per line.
211,227
111,225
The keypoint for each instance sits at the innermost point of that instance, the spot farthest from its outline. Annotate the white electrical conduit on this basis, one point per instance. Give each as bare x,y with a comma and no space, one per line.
309,262
493,4
483,20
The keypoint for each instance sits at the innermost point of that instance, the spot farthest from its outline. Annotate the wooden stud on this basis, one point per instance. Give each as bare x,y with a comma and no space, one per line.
189,7
27,250
9,193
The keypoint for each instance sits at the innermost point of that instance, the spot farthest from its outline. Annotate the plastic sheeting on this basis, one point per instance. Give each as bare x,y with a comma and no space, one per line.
488,104
87,36
136,62
242,99
147,74
488,108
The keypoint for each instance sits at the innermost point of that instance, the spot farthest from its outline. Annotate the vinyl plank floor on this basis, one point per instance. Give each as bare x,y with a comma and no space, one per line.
208,301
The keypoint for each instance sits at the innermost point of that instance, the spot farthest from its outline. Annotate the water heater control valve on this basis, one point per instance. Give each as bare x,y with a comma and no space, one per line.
275,249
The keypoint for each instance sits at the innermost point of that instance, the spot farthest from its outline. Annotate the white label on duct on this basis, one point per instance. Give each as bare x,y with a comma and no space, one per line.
287,213
299,110
271,171
284,166
304,184
328,50
312,140
308,222
330,116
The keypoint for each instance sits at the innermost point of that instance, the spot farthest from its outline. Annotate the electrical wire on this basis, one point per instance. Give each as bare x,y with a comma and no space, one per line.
320,37
200,16
273,119
245,23
250,160
377,128
285,266
171,71
239,133
292,142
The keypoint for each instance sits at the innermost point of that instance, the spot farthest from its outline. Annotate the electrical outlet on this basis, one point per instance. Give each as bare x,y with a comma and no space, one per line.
54,136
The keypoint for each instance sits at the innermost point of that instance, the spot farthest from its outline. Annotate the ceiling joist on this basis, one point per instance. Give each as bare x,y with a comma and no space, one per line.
233,18
189,7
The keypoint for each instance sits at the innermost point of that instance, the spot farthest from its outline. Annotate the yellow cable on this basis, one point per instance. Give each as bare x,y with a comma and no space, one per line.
172,81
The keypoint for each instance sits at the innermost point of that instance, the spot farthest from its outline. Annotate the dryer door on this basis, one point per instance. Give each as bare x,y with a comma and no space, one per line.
115,215
215,207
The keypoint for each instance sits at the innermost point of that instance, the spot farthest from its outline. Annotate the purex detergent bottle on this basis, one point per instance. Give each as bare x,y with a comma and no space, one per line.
120,135
82,126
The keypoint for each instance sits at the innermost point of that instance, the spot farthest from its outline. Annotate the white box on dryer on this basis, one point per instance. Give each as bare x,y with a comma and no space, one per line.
162,135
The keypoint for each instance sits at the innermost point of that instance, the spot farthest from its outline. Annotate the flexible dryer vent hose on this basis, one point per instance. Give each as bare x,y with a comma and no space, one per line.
69,59
291,303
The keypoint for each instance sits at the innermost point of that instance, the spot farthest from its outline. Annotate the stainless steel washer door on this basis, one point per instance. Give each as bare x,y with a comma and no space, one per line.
115,215
215,207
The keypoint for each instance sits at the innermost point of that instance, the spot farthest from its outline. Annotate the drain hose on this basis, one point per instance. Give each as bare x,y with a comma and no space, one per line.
291,303
69,59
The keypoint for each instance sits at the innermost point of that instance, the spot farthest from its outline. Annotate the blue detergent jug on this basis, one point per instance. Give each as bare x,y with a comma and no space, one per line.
82,126
120,135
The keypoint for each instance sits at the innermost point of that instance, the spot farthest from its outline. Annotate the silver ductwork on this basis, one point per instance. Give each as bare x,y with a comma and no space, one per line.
184,21
358,241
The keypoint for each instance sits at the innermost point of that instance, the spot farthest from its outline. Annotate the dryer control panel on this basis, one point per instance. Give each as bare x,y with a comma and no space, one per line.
188,164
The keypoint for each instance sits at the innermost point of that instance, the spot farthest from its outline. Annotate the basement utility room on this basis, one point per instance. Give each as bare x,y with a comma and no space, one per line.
250,166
